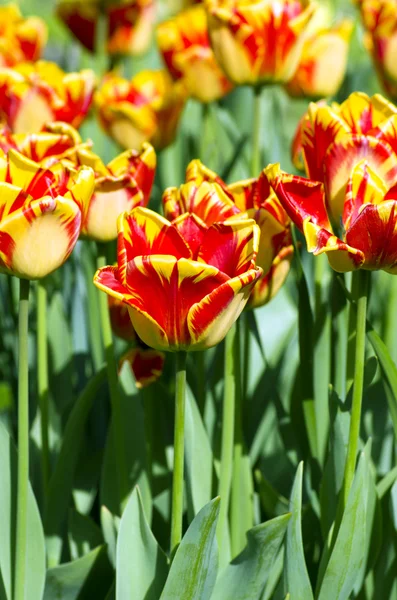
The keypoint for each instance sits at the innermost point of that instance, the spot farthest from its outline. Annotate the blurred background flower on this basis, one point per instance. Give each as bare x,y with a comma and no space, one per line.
20,39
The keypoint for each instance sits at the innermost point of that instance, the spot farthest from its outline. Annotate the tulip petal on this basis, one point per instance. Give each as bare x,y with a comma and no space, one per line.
271,281
300,197
210,319
120,319
364,187
341,159
144,232
140,165
192,229
251,193
231,247
387,131
363,113
146,364
80,186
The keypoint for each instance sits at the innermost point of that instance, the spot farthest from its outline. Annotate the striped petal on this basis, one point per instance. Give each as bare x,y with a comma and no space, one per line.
192,229
387,131
38,238
232,247
197,172
140,165
362,113
364,187
251,193
301,198
80,188
143,232
146,365
343,156
272,280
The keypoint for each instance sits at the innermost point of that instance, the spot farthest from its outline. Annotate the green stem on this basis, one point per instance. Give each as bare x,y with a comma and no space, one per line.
226,465
94,331
351,340
114,389
201,380
206,133
23,442
256,133
391,320
42,381
246,356
360,286
179,443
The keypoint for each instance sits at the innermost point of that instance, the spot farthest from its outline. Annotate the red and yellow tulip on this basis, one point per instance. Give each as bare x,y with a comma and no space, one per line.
33,94
380,21
145,109
186,50
353,217
183,293
207,197
324,125
129,23
322,66
258,41
146,365
20,39
41,211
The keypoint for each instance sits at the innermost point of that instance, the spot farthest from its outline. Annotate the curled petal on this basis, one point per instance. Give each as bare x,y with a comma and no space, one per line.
197,172
271,281
146,364
140,165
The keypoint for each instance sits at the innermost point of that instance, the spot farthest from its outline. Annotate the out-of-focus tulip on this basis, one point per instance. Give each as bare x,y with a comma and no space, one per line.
145,109
121,185
129,23
207,197
380,21
322,66
180,298
20,39
185,46
35,93
324,125
145,363
258,41
354,221
41,211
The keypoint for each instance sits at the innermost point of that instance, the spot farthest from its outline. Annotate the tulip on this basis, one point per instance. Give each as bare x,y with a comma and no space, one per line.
258,41
146,365
353,218
81,18
322,66
380,22
186,50
207,197
41,215
20,39
147,108
34,93
324,125
180,299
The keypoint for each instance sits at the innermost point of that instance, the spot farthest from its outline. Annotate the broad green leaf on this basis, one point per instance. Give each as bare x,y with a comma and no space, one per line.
61,482
349,551
84,535
199,465
296,576
141,568
35,559
273,581
246,576
86,577
194,568
134,436
110,525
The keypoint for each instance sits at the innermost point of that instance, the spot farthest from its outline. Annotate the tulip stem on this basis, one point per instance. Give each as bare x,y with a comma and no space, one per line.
114,389
42,381
23,442
226,466
256,133
93,309
360,286
179,443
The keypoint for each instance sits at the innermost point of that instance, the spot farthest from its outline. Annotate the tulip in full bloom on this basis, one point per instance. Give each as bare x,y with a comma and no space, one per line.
20,39
35,93
322,66
212,201
184,286
41,214
380,21
185,46
322,125
258,41
145,109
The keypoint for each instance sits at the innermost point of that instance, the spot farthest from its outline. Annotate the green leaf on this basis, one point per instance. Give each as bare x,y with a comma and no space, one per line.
141,568
87,577
199,466
61,482
110,525
295,571
134,435
194,568
84,535
349,552
246,576
35,559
